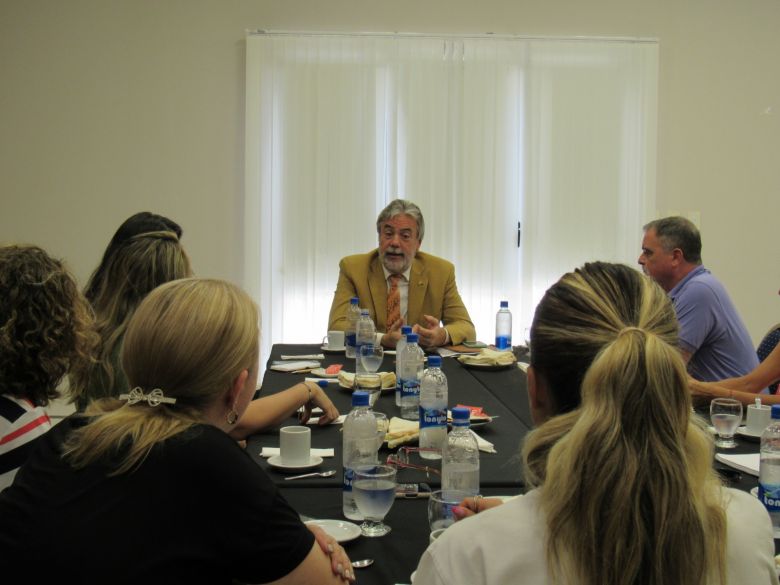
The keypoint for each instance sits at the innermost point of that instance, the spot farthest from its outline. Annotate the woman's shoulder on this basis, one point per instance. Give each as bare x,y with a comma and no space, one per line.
479,541
750,545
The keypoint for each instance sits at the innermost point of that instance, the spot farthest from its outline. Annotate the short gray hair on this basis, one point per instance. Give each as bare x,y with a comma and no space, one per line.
402,207
678,232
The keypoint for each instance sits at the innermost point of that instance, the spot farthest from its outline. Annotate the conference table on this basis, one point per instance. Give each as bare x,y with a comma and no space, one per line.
502,393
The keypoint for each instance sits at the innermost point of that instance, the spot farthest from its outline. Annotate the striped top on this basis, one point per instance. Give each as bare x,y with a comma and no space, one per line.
21,423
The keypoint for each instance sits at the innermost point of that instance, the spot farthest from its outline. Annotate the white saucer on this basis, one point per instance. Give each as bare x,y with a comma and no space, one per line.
341,530
276,461
329,349
748,435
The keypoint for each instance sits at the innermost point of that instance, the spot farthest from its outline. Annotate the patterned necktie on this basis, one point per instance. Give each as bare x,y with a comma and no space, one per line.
393,300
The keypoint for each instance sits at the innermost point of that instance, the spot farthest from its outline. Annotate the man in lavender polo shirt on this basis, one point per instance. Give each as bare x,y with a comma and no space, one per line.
713,339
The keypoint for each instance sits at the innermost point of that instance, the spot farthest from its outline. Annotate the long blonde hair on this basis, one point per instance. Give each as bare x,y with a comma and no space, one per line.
190,338
137,266
624,470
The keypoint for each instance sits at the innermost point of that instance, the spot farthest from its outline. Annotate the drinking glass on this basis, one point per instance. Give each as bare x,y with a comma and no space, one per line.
726,416
440,505
371,357
374,489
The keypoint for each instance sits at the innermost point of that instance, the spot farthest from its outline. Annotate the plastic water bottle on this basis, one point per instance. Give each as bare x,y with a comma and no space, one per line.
353,314
460,457
399,350
359,447
769,469
365,334
504,327
411,372
433,409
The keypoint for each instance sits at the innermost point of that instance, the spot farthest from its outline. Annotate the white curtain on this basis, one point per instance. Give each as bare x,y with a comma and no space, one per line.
484,134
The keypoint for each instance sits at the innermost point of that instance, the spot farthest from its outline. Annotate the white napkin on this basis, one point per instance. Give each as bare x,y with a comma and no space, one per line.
292,366
484,446
273,451
747,462
311,356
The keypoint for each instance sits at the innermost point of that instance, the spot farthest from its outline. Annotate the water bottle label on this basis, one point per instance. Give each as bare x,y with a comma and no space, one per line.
503,342
350,339
410,388
349,474
770,496
432,417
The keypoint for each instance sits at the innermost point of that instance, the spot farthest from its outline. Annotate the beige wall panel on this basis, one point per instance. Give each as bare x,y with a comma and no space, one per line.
111,107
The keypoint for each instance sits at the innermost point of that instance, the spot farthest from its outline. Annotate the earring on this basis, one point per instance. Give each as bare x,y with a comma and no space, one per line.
232,417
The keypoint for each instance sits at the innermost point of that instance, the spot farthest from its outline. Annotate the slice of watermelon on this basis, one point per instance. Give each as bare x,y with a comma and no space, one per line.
334,369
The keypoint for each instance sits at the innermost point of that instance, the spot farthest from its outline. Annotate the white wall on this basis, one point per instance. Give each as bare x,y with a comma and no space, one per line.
112,107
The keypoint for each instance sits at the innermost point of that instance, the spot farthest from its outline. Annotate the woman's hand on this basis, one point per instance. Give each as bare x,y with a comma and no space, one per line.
474,505
339,561
319,398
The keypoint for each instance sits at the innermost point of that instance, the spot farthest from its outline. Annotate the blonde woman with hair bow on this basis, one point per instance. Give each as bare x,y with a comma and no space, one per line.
149,487
622,490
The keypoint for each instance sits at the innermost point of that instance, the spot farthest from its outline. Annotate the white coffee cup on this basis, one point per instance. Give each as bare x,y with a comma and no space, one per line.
758,418
295,445
334,340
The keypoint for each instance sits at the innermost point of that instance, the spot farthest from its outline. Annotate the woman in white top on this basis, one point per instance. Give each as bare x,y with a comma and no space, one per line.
623,490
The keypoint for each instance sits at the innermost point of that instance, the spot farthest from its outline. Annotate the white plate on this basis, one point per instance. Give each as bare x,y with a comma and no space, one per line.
329,349
339,529
384,388
744,432
320,372
488,367
276,461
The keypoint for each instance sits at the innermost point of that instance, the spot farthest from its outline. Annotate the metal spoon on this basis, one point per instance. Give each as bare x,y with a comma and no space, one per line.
328,473
363,563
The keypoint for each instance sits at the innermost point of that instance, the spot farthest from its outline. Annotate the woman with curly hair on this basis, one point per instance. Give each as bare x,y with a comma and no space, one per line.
44,333
621,485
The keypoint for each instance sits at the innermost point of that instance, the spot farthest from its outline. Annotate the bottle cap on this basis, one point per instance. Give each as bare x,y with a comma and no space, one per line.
776,411
322,384
364,312
360,398
434,361
412,338
461,416
406,330
353,301
504,304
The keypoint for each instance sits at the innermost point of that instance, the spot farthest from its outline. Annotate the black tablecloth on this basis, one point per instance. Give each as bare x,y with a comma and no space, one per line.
501,393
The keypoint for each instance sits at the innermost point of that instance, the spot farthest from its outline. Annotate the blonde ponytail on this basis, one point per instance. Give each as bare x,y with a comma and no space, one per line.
626,481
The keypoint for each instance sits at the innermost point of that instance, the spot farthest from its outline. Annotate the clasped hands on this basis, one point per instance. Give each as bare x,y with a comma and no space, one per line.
434,335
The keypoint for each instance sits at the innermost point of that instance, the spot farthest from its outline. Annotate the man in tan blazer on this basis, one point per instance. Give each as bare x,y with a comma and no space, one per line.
428,292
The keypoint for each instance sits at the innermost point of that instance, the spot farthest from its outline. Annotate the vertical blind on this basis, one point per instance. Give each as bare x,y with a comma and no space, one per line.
485,134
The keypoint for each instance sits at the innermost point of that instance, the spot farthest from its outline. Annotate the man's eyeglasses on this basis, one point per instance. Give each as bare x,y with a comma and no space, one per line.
400,459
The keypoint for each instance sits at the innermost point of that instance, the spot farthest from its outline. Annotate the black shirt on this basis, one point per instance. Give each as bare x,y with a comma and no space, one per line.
197,510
